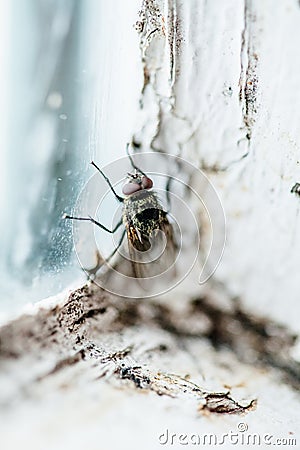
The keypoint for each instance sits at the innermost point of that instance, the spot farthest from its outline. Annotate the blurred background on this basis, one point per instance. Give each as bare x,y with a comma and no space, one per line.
70,94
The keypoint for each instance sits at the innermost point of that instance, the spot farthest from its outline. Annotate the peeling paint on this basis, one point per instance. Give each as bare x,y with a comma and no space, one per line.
248,82
90,312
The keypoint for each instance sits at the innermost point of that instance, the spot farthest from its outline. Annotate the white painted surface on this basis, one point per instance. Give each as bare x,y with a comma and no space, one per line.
229,51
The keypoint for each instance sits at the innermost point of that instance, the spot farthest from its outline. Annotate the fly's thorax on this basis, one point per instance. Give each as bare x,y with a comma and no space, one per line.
139,201
144,211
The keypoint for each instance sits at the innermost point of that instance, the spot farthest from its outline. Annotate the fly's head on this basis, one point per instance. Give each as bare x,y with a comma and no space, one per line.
136,182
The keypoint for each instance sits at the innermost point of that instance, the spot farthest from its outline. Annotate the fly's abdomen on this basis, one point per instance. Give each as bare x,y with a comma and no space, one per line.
142,215
148,220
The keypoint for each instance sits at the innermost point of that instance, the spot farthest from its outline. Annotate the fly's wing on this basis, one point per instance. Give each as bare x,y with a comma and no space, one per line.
135,245
152,256
138,241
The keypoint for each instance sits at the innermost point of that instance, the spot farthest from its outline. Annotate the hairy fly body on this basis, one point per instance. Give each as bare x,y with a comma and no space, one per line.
142,215
143,218
145,223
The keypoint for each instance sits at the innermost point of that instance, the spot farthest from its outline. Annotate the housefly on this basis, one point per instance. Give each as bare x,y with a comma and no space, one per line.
150,238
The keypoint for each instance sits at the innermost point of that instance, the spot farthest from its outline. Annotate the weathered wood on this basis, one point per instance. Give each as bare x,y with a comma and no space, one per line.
94,349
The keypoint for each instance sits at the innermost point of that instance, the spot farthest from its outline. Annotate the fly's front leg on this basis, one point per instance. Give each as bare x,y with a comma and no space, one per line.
90,219
120,199
134,166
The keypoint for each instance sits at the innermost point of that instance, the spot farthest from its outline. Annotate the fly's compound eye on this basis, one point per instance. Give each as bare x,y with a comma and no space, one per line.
147,183
130,188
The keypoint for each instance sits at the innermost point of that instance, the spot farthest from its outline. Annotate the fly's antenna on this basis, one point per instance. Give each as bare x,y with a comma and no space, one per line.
132,162
120,199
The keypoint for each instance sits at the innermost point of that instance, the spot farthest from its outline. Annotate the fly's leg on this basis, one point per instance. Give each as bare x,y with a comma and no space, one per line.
101,261
168,194
132,162
172,237
90,219
120,199
91,273
117,247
